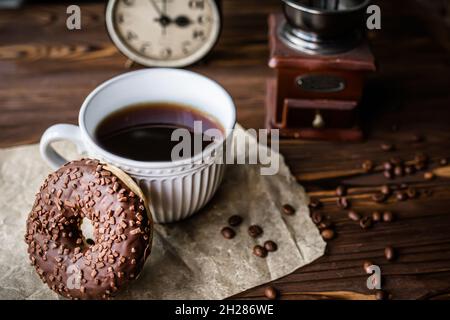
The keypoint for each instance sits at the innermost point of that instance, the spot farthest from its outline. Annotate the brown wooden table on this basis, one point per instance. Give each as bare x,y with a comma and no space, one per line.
46,71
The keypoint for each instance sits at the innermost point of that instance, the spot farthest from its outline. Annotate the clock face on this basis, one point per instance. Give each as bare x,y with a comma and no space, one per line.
168,33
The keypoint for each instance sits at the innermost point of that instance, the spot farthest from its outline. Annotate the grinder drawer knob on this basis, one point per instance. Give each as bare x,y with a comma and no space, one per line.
318,121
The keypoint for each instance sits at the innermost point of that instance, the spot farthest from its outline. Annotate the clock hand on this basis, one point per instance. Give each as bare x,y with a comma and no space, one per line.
182,21
157,9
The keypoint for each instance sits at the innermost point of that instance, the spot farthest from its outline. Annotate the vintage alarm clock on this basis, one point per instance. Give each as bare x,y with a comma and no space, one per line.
164,33
321,58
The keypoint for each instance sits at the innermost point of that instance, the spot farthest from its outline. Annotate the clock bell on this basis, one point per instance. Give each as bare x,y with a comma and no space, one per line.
321,59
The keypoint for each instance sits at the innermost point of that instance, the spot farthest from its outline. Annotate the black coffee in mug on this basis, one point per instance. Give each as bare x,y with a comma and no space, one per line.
143,132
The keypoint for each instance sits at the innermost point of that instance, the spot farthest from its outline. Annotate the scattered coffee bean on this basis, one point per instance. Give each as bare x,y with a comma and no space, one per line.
327,234
255,231
412,193
417,137
381,295
379,197
234,220
394,127
388,175
403,186
398,171
315,203
270,246
368,165
388,216
443,162
396,161
387,146
343,203
365,222
389,253
353,215
401,196
259,251
288,210
421,157
410,170
228,233
325,224
376,216
316,217
341,191
271,293
428,175
366,265
420,166
386,190
388,166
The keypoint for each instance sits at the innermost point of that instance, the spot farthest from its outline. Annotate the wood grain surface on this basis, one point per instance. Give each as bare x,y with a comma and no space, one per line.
46,71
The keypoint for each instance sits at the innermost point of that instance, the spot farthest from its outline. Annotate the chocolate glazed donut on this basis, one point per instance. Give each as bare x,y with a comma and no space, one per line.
72,265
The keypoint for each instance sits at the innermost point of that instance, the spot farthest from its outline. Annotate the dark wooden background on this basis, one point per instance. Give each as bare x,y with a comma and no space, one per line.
46,72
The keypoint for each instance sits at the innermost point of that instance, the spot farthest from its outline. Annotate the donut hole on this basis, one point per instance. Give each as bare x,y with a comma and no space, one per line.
87,230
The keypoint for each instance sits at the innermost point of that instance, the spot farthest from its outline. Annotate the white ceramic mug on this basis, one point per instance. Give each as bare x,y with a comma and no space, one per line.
174,190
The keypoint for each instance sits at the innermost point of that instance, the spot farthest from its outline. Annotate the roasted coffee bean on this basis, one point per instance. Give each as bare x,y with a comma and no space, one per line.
388,216
366,265
379,197
398,171
343,203
353,215
412,193
255,231
288,210
271,293
428,175
389,253
327,234
420,157
376,216
386,190
365,222
387,146
388,175
401,196
228,233
388,166
410,170
443,162
394,127
234,220
259,251
325,224
417,137
396,161
420,166
315,203
270,246
367,165
316,217
341,191
381,295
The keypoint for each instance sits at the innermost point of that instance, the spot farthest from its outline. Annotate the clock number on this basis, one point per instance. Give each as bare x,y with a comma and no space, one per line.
198,34
144,47
131,35
128,2
197,4
166,53
185,47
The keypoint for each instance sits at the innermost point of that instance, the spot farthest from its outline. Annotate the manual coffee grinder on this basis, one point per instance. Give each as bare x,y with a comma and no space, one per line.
321,59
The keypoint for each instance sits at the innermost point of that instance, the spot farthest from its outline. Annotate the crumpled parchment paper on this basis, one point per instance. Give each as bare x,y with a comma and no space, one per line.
190,259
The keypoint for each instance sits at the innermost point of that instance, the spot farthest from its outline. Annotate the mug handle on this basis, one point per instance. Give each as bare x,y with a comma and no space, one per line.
55,133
